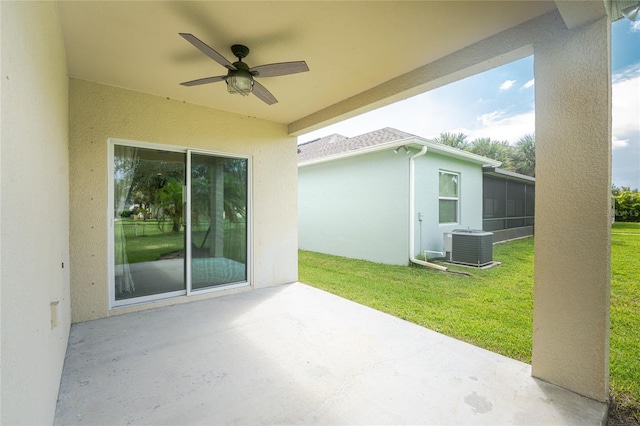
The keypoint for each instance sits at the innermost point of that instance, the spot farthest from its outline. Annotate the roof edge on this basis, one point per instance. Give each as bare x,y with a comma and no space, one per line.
508,175
415,140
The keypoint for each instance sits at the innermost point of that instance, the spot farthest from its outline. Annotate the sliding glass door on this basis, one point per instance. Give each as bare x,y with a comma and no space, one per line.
149,239
218,220
179,222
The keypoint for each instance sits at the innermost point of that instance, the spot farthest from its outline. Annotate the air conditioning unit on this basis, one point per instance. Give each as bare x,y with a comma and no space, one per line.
472,247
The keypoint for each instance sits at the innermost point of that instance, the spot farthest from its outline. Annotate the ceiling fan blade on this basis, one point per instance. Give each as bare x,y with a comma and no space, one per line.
208,51
282,68
261,92
205,80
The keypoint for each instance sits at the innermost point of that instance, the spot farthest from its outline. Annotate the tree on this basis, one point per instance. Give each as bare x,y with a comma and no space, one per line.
151,176
520,158
234,186
497,150
524,156
627,204
458,140
235,190
169,203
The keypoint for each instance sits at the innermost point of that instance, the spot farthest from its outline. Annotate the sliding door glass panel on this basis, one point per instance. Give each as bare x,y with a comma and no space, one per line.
218,220
148,222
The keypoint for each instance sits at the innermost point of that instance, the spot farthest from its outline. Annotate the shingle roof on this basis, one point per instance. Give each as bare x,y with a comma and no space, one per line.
335,144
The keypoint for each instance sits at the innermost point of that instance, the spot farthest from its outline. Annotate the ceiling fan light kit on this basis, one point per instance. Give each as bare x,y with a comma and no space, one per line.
239,85
240,78
240,81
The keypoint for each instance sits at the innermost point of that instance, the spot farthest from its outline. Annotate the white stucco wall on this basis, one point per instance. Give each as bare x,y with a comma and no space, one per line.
359,207
99,112
356,207
427,194
34,221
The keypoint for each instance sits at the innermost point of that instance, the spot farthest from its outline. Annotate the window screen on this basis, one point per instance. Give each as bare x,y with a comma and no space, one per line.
448,197
506,204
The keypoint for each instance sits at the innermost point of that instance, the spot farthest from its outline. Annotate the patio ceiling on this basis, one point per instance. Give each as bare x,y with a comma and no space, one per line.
350,47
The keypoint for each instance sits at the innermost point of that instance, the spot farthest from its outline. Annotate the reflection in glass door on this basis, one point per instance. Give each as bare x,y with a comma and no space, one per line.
149,238
218,238
173,231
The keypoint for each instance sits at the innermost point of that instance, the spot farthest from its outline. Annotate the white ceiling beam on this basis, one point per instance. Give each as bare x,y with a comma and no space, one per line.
579,12
507,46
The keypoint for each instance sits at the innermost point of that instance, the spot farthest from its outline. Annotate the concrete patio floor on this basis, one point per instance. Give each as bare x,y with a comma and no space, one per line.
295,355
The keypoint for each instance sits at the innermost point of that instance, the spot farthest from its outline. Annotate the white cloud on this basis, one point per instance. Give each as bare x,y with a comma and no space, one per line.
627,73
635,26
498,125
529,84
619,143
507,85
625,126
490,118
625,101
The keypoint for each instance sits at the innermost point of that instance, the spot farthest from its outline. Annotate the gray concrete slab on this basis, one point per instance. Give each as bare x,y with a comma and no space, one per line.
295,355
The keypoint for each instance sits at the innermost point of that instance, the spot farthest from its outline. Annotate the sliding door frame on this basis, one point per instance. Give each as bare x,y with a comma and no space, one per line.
188,291
188,254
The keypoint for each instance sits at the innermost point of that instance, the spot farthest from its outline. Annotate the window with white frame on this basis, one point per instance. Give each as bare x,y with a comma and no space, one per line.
448,197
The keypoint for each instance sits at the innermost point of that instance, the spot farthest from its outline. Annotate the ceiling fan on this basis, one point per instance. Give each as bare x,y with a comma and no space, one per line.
240,78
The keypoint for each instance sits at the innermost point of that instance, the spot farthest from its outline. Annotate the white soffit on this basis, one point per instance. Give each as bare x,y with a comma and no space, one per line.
350,47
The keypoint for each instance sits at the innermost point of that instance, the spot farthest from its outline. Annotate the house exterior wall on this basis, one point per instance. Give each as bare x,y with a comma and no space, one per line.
34,214
359,207
99,112
427,195
356,207
573,210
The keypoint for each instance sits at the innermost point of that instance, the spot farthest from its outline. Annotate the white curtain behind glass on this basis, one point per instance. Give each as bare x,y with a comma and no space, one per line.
125,162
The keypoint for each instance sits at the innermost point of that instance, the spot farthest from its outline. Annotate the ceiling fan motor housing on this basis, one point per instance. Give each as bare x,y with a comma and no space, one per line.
240,51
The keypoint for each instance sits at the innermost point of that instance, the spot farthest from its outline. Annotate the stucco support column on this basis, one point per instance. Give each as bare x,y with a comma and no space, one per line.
573,196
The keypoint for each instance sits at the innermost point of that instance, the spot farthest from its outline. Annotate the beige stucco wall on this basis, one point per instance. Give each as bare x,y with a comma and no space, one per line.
573,192
99,112
34,223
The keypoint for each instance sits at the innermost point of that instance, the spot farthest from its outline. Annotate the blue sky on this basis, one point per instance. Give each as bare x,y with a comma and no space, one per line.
500,104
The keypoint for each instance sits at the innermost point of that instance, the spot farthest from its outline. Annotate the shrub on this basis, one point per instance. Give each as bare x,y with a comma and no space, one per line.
627,205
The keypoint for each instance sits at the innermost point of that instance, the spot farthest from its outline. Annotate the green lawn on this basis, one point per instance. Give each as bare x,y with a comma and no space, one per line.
149,240
625,315
493,308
